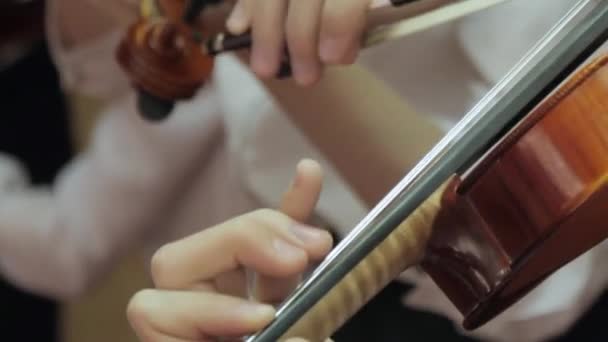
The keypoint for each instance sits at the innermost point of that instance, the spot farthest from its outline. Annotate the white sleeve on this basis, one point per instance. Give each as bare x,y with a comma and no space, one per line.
57,241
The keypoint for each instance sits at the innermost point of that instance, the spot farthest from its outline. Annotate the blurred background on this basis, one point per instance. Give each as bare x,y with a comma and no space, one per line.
45,127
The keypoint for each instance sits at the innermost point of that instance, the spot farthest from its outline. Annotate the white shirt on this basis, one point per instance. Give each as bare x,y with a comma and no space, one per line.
217,157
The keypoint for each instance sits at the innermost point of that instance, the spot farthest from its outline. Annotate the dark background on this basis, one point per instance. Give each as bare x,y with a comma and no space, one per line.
386,320
34,128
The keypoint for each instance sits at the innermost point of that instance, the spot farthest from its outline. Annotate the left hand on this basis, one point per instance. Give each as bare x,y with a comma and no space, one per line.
201,288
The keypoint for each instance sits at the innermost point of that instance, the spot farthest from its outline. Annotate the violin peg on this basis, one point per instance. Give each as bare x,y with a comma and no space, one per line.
153,108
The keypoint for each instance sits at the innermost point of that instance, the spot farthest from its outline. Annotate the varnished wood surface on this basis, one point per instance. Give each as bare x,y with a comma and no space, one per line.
539,201
161,56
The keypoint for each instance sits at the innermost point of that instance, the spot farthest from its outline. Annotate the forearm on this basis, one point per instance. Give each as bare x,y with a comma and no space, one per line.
361,125
58,242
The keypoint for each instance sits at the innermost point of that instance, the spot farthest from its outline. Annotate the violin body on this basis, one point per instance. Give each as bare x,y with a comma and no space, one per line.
536,201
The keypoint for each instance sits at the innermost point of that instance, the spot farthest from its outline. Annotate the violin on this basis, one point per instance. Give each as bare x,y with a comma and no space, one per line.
515,191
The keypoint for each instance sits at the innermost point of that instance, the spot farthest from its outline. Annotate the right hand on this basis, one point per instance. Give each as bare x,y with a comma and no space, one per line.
316,33
201,289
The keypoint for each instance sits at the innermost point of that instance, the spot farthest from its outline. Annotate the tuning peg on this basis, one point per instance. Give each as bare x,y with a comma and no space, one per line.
153,108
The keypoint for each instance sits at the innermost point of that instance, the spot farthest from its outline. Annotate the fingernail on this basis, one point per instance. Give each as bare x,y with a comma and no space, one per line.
257,310
260,63
287,250
301,69
329,51
308,234
307,163
305,73
301,168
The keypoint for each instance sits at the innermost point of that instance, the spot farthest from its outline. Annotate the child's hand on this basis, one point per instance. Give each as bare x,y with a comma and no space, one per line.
201,288
316,32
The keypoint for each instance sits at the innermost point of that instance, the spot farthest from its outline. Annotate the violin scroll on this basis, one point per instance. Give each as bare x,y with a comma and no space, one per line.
165,62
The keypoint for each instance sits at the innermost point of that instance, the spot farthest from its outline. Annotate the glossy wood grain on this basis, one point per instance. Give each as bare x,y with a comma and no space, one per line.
160,55
538,200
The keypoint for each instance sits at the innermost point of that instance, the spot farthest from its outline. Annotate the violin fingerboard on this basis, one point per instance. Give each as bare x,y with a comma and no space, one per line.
403,248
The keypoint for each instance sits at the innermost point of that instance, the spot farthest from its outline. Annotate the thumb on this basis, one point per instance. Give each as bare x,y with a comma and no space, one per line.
300,199
298,203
